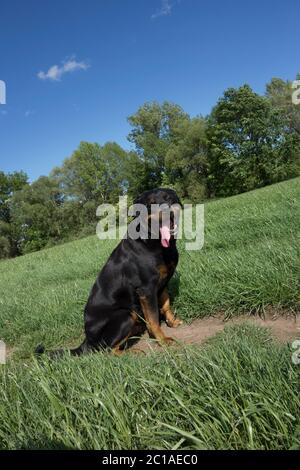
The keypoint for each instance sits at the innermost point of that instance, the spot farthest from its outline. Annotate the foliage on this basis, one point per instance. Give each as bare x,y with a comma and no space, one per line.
93,173
192,398
154,128
9,184
248,141
187,160
36,215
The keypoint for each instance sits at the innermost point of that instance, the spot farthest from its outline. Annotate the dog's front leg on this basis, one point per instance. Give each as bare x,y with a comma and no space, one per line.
166,310
149,305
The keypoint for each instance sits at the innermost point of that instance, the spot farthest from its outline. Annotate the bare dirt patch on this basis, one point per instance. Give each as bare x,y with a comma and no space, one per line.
283,327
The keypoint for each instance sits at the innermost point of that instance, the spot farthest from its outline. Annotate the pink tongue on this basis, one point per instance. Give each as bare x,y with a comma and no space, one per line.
165,236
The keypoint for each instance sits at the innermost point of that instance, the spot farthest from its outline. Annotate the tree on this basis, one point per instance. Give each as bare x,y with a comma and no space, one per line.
35,215
246,141
186,160
135,175
279,92
155,127
10,183
93,173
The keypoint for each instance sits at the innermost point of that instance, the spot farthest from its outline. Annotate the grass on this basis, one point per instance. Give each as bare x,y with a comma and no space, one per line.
251,259
240,391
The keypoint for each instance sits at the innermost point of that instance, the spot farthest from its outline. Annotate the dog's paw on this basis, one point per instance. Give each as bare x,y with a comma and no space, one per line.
175,323
167,341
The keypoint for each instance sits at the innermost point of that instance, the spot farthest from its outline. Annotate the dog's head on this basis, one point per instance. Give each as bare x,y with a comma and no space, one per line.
163,210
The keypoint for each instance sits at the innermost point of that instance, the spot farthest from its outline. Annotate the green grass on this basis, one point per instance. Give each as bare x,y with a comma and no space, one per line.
240,391
251,259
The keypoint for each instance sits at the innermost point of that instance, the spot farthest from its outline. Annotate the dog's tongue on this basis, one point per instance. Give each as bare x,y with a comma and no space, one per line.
165,236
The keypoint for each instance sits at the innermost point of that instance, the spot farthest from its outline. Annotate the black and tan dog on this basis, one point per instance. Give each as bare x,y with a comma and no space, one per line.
130,292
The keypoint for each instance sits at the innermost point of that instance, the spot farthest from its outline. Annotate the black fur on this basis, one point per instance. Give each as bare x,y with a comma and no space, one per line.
130,291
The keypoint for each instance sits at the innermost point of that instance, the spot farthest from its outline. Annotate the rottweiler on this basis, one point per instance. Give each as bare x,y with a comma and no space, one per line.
130,293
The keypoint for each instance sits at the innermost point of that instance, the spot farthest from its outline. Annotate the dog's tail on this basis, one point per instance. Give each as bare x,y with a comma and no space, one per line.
82,349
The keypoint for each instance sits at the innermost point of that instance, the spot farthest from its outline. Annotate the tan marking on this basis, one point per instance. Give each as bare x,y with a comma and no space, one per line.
116,349
134,316
163,271
166,310
152,322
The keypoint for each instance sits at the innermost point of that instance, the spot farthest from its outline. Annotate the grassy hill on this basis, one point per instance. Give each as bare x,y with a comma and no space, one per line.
218,396
251,259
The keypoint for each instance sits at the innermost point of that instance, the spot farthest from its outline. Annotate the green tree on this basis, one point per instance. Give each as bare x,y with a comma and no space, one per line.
135,175
246,140
279,92
154,128
187,168
35,215
10,183
93,173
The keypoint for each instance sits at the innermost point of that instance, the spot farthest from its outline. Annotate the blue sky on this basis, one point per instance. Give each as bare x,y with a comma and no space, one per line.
113,55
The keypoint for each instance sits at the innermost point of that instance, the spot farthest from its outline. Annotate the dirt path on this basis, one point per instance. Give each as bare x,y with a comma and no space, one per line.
284,328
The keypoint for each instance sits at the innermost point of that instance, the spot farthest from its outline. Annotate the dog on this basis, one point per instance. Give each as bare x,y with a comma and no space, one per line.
130,293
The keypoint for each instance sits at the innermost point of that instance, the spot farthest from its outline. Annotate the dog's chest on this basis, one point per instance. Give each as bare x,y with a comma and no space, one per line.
166,270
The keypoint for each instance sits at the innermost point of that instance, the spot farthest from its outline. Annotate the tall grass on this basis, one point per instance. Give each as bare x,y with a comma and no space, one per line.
251,259
241,391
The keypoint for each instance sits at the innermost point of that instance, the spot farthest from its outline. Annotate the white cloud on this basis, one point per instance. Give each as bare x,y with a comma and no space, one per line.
55,72
165,9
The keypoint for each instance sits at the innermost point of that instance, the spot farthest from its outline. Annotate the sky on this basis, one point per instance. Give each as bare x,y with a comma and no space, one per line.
76,69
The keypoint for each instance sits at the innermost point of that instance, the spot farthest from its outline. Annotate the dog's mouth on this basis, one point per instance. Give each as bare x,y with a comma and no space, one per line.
163,224
166,233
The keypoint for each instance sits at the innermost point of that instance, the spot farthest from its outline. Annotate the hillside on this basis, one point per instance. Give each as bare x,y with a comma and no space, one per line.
216,396
250,260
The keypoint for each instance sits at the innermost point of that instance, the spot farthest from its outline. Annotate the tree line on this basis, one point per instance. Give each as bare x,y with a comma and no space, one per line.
248,141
